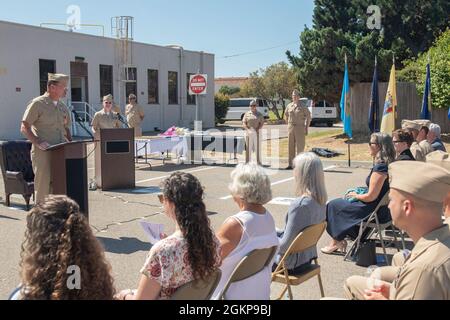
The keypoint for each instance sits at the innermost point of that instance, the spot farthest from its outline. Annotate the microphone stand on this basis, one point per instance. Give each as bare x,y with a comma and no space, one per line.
78,120
119,116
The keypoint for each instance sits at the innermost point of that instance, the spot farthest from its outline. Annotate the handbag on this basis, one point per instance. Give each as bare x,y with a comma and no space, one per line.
366,255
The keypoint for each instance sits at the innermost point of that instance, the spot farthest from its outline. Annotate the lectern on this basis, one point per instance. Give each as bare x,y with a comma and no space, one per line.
114,159
69,172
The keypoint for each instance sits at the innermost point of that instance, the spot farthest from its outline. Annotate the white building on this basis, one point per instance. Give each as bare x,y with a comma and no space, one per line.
98,66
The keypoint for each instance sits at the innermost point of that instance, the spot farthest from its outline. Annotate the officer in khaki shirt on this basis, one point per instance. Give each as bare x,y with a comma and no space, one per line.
298,119
442,159
416,207
422,136
414,128
105,118
135,115
252,122
46,122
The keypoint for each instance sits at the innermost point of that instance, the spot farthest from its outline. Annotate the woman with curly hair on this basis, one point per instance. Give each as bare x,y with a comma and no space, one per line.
61,258
192,252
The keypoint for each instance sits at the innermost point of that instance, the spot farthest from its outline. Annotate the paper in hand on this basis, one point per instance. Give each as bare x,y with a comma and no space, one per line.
153,231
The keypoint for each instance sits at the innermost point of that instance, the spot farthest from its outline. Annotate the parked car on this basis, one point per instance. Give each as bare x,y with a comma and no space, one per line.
239,106
322,112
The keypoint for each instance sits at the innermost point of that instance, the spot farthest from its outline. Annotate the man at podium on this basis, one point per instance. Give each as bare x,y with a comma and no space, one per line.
105,118
46,122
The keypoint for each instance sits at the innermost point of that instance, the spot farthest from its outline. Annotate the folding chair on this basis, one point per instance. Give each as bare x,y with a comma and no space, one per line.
374,224
251,264
306,240
198,289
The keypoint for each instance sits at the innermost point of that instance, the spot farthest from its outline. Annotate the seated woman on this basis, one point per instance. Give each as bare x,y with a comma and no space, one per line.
343,216
191,253
308,209
59,246
403,140
252,228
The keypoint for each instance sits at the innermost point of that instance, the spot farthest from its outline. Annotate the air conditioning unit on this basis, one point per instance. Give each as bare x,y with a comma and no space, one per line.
130,74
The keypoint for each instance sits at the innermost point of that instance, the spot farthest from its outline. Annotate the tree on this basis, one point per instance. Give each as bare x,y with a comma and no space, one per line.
229,91
440,71
274,84
339,27
221,105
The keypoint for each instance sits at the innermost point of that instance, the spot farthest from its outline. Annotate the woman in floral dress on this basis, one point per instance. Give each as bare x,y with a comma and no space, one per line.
192,252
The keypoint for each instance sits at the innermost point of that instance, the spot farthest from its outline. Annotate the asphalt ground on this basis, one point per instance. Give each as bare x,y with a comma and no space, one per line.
115,217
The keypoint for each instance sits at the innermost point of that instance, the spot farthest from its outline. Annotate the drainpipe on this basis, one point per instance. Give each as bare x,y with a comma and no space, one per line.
182,77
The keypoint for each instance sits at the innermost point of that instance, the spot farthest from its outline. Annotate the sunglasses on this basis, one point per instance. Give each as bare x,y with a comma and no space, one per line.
108,102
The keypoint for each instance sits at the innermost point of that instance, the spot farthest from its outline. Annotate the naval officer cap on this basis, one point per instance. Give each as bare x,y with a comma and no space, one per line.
429,182
439,158
58,77
411,125
108,98
423,123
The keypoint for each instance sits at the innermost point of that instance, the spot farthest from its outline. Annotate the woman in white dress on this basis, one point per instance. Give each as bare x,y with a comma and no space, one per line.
252,228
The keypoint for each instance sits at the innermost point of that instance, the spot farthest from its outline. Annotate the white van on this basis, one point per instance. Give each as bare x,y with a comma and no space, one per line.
239,106
322,112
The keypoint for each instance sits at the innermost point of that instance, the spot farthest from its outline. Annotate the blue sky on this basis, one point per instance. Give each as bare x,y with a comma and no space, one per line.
222,27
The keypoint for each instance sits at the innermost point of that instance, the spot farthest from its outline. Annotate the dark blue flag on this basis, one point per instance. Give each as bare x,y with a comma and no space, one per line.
374,120
426,104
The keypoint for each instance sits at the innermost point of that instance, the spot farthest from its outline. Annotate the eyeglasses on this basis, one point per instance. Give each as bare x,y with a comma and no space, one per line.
107,102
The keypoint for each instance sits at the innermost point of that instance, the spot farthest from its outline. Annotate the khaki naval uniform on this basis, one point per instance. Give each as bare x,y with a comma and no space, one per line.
48,123
425,273
298,119
102,120
135,113
253,138
417,152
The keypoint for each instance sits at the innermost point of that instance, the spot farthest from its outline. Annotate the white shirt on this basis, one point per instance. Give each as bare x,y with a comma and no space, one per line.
258,233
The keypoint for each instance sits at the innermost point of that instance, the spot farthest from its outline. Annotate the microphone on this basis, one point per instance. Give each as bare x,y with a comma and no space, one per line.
80,122
119,116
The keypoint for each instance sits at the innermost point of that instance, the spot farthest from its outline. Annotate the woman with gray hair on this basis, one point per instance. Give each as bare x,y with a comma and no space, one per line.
434,138
252,228
308,209
343,215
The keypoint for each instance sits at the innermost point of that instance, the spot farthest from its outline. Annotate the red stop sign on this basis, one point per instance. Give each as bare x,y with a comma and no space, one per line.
198,83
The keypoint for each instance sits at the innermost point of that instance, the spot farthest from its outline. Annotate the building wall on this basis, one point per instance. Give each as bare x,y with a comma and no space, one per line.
22,46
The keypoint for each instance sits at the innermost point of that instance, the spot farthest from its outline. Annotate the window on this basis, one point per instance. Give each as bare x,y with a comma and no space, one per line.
173,87
45,67
153,87
191,99
131,87
106,80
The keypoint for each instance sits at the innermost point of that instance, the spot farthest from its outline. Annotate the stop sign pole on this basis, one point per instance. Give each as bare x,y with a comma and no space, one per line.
198,86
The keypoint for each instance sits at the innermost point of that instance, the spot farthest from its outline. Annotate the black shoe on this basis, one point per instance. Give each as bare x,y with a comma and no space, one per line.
289,168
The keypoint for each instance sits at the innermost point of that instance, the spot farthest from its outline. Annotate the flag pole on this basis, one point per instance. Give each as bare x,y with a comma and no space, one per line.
429,92
348,138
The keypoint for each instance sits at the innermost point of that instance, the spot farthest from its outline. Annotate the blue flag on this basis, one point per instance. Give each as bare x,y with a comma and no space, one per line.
345,104
374,119
426,104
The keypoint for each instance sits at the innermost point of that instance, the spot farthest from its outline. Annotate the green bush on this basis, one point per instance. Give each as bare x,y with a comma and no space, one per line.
222,104
415,71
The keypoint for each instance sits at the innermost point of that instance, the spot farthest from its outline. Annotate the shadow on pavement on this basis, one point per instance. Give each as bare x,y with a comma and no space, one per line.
124,245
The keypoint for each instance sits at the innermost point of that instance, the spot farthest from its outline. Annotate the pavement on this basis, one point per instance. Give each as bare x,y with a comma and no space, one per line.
115,217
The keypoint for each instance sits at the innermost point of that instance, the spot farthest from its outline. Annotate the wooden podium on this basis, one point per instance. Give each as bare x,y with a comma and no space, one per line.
114,159
69,172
